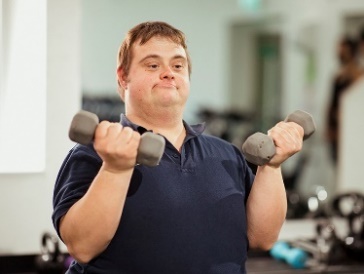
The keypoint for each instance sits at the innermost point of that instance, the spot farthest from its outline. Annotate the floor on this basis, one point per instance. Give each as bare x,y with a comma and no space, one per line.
258,263
268,265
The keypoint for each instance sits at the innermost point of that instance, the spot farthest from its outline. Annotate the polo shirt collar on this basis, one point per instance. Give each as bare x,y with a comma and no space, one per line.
192,130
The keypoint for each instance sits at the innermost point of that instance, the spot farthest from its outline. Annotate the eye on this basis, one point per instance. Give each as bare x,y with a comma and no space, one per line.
178,66
153,66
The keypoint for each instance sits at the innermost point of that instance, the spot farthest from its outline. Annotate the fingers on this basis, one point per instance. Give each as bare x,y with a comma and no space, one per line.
288,139
115,132
287,133
116,145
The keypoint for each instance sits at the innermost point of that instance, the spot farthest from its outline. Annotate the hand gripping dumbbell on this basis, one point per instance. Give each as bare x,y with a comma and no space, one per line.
259,148
82,130
295,257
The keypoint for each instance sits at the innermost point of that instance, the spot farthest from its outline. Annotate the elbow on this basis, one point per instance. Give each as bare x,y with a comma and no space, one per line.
266,246
79,251
261,246
84,251
80,255
262,243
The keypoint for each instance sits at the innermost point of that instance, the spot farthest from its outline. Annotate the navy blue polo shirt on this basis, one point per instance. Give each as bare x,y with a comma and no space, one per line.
184,216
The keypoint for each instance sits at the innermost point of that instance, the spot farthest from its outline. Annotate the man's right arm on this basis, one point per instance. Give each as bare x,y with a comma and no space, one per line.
90,224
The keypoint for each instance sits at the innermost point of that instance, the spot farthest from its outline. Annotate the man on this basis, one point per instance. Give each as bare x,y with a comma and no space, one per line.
198,211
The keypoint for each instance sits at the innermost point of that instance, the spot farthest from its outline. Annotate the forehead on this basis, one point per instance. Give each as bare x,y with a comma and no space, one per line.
158,46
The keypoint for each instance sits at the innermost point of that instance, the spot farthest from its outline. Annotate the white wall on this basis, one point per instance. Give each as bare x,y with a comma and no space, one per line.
1,52
26,199
22,80
351,150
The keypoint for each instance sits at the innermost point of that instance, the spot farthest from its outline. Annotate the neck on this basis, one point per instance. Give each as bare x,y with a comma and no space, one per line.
170,125
154,120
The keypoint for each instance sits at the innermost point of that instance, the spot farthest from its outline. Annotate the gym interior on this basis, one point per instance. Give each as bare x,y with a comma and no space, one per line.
254,62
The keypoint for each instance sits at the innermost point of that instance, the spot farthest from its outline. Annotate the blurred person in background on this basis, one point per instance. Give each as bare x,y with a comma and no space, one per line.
348,73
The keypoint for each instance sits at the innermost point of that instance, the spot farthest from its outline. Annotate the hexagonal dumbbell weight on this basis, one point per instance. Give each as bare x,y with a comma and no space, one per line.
82,131
259,148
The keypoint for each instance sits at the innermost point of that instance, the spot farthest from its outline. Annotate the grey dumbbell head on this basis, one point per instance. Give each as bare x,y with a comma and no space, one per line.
150,149
82,131
259,149
305,120
83,127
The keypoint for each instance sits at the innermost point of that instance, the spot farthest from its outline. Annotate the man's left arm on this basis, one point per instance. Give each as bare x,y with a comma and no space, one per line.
267,203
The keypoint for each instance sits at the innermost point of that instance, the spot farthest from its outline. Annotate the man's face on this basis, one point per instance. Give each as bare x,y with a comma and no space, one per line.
158,76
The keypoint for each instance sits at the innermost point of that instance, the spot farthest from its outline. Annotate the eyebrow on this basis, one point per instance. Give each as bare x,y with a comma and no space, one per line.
156,56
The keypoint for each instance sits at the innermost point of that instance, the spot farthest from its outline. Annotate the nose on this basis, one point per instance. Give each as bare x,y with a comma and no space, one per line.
167,73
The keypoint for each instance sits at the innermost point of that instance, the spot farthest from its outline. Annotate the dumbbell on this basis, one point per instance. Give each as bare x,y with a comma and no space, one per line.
350,205
82,130
295,257
259,148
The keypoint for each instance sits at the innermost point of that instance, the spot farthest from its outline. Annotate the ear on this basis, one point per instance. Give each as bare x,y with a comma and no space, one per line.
122,82
122,78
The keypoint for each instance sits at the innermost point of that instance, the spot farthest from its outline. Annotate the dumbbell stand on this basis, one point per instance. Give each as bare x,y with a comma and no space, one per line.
320,253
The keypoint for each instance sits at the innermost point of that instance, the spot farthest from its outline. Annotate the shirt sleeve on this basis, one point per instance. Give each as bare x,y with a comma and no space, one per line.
78,170
246,173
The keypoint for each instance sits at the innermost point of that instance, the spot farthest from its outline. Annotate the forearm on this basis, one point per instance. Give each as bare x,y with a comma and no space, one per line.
266,207
91,223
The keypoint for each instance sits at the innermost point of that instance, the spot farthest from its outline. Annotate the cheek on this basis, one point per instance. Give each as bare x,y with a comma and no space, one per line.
139,84
185,83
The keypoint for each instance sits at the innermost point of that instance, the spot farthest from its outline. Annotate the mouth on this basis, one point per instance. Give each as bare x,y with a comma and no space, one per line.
166,85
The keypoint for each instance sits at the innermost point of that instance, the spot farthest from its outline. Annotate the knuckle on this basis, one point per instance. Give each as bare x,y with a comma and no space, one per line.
128,129
104,122
136,136
116,125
